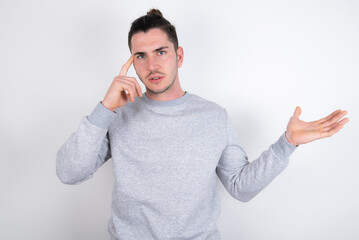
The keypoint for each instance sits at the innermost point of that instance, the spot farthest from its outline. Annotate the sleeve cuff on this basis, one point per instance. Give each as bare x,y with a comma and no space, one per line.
101,116
282,148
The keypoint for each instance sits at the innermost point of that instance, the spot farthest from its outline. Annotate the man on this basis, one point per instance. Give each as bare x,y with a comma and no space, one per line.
167,145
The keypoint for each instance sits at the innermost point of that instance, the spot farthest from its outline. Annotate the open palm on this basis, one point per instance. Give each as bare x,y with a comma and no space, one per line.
300,132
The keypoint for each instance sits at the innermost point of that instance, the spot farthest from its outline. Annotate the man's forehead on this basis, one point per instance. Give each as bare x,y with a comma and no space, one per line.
150,40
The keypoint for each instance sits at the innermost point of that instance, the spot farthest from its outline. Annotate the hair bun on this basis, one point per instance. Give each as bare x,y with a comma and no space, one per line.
154,11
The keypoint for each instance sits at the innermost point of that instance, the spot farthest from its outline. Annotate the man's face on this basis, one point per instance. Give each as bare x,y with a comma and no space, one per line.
155,61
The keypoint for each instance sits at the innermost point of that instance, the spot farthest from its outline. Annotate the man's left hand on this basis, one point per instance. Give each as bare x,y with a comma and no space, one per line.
300,132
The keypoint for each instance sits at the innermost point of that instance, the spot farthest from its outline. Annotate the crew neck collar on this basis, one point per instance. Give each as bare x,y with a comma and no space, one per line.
169,103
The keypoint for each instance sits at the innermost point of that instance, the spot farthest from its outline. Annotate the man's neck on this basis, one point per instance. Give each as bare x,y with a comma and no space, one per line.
164,96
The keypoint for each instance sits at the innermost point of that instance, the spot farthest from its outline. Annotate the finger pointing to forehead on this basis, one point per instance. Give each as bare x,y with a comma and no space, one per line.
126,66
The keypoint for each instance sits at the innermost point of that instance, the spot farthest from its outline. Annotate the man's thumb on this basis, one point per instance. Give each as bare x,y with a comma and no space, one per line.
297,112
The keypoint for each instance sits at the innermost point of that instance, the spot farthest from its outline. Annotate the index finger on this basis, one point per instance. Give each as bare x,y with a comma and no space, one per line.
329,116
126,66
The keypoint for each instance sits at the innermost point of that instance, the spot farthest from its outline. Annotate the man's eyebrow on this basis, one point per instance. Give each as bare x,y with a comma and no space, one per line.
139,53
161,48
156,50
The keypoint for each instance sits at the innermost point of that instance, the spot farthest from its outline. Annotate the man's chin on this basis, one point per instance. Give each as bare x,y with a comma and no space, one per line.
156,91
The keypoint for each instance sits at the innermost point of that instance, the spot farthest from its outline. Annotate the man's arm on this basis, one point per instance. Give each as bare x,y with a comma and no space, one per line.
244,179
88,148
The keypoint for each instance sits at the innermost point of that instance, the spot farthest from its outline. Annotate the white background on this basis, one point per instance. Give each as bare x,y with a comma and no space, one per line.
258,59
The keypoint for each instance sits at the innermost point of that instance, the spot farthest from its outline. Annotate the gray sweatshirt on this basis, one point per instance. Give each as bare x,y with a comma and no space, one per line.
165,156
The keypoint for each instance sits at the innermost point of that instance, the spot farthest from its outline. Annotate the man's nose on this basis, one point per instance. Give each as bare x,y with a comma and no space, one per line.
152,64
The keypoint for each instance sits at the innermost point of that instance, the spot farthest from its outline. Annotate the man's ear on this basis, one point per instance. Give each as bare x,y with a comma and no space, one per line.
180,54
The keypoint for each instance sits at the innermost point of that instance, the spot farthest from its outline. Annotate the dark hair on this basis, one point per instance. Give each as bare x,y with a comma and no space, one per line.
153,19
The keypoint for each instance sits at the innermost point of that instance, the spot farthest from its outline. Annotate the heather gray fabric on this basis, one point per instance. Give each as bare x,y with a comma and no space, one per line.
166,156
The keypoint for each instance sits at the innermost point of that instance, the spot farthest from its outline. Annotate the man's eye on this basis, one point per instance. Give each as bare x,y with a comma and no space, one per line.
161,52
140,56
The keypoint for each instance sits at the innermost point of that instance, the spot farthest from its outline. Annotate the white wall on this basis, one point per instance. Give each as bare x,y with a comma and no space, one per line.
258,59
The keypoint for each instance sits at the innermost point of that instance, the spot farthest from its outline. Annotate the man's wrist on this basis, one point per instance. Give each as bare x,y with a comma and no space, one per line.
106,106
101,116
289,140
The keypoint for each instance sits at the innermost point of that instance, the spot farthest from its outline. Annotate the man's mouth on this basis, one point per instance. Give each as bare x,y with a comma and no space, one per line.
155,78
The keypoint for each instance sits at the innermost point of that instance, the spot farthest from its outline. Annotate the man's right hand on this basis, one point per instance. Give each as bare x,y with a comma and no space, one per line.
116,95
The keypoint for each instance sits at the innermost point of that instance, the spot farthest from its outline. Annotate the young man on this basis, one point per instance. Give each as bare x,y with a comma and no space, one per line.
167,146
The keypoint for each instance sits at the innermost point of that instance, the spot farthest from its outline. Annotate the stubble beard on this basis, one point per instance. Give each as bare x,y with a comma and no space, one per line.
162,90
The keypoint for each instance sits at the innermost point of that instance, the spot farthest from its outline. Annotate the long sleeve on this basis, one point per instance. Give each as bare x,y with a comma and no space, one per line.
86,149
243,179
